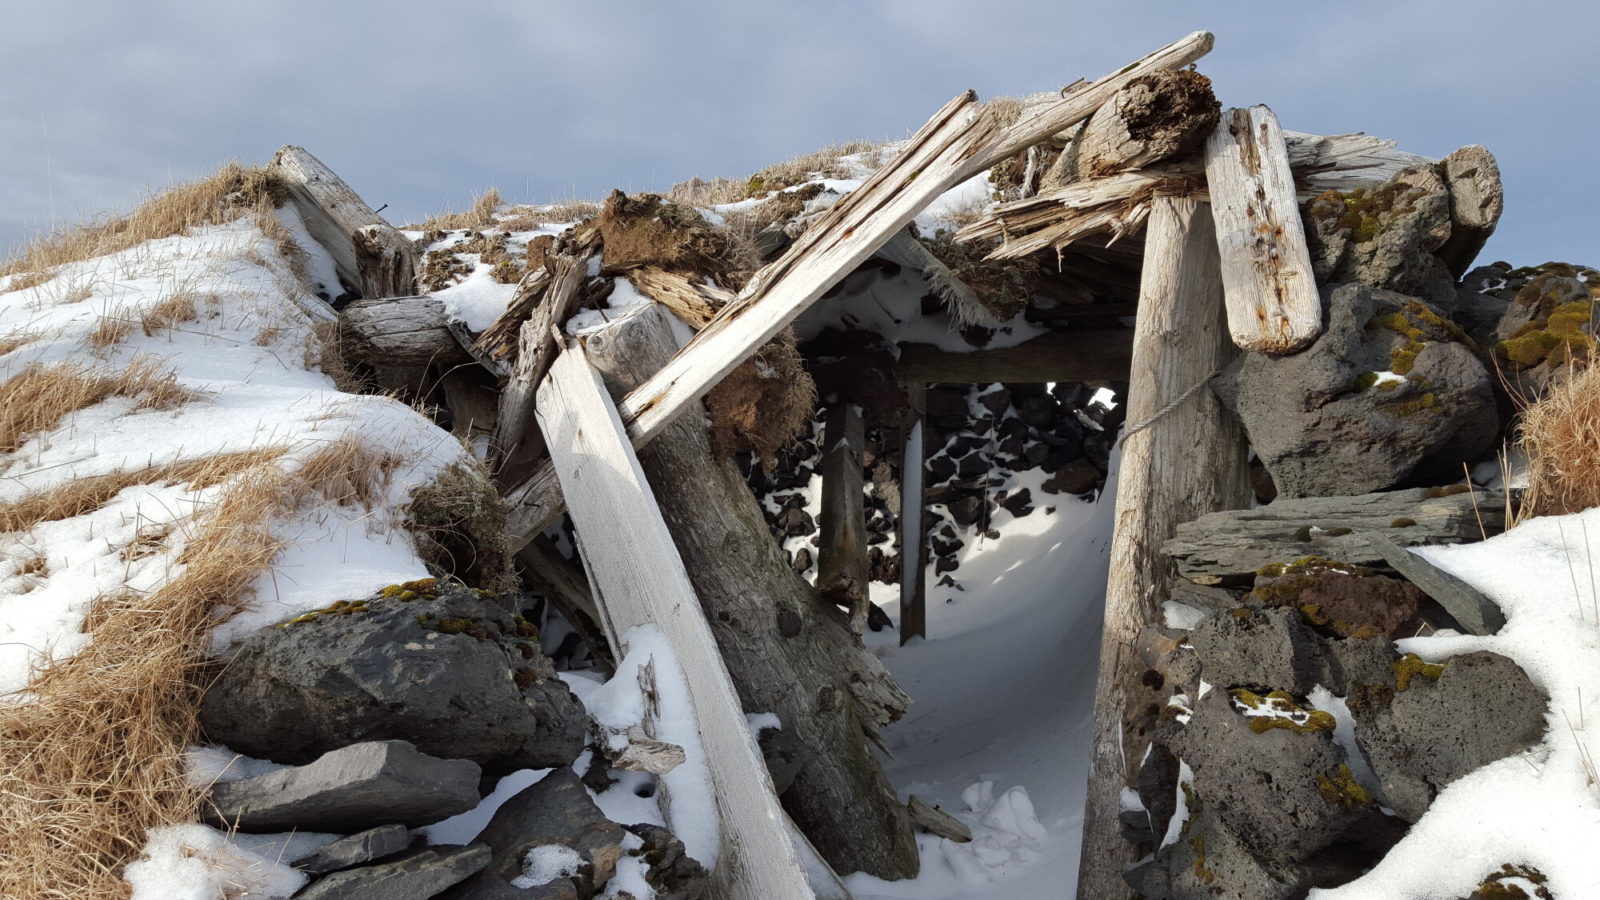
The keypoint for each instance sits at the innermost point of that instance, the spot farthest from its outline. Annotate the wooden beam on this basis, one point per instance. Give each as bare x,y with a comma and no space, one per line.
842,531
1189,462
1069,355
537,348
956,144
913,520
371,256
398,331
1272,299
642,586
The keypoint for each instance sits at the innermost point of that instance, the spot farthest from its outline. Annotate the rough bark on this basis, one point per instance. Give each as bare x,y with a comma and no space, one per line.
1159,116
517,442
790,652
371,256
398,331
1187,462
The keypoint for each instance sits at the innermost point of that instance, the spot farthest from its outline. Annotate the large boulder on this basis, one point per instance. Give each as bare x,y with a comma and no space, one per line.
417,875
1259,649
1390,388
1429,724
350,789
453,671
1385,237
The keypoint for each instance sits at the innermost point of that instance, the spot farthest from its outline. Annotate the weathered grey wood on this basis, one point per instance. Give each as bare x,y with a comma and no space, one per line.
1272,300
1466,604
956,144
398,331
565,586
842,568
1142,124
474,404
913,520
938,821
693,302
642,582
790,652
502,338
1101,354
372,257
1228,547
536,350
1188,462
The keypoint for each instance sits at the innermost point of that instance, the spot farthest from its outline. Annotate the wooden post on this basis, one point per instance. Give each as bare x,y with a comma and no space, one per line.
372,257
842,532
1190,461
536,349
956,144
642,583
790,652
1272,300
913,521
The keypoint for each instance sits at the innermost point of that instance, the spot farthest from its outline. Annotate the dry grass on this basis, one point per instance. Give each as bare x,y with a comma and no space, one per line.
222,197
112,328
17,339
39,397
822,163
95,759
527,218
1560,433
182,306
85,495
481,215
325,351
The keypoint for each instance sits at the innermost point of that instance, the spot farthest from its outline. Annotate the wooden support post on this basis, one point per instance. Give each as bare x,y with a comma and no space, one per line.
514,433
1272,300
956,144
913,520
642,584
1188,462
842,532
371,256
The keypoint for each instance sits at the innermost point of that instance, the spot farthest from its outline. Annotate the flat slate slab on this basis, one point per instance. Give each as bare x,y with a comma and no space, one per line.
367,846
348,790
417,875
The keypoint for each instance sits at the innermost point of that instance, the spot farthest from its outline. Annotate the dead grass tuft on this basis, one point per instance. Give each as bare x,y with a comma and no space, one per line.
85,495
94,758
39,397
112,328
325,350
1560,433
349,472
528,218
460,523
481,215
182,306
765,403
222,197
824,163
17,339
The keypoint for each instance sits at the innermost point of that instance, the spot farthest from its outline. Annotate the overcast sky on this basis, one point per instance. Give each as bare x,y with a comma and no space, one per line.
421,105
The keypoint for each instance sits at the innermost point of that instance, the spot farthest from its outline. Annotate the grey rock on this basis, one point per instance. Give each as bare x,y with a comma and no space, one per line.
1261,649
1203,596
357,849
1353,662
1230,547
1322,428
455,674
350,789
1477,198
1210,862
672,872
1265,787
1469,606
1482,707
1385,237
556,810
417,875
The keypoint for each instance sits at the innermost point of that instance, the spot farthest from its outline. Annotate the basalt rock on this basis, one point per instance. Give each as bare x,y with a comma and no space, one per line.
457,674
417,875
1391,388
1385,237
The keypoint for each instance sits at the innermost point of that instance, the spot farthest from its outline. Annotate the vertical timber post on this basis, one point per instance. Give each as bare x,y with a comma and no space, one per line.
1189,460
842,546
913,520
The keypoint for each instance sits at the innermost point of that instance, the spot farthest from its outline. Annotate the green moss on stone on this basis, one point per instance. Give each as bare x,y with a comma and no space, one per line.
1412,665
1341,788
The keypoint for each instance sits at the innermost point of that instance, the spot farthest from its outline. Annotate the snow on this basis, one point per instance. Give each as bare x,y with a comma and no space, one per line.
463,828
1541,807
545,863
1003,688
629,880
195,862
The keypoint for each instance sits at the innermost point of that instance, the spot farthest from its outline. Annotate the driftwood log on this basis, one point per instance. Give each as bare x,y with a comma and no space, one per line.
643,586
372,257
402,332
1272,299
1160,116
516,440
959,142
1186,461
790,652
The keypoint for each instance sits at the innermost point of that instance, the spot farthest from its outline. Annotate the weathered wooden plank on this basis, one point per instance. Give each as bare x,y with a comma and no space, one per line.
641,581
956,144
371,256
842,530
913,521
693,302
1272,300
537,348
398,331
1101,354
1188,462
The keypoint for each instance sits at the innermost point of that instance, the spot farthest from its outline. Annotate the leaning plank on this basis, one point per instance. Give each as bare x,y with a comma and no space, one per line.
1272,300
641,581
371,256
842,531
913,521
1188,462
398,331
536,350
956,144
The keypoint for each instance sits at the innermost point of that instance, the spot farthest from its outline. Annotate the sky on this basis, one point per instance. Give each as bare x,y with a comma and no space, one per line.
422,105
